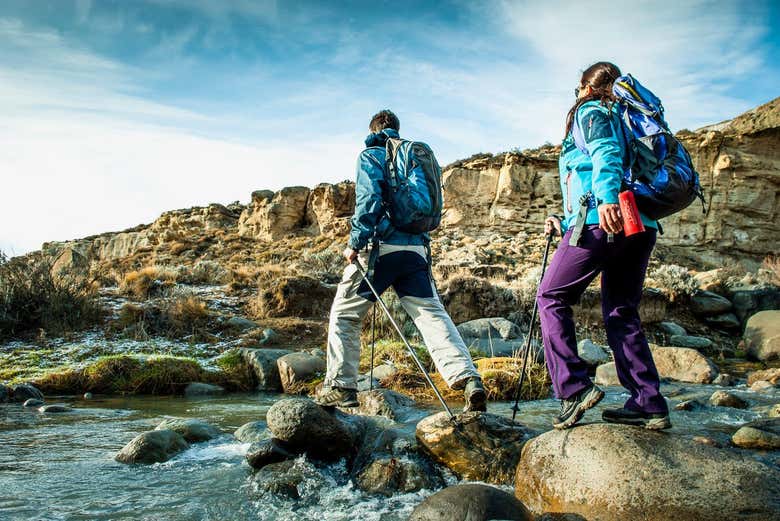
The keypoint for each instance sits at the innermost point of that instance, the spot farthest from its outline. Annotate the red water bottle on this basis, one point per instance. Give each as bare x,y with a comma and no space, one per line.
632,222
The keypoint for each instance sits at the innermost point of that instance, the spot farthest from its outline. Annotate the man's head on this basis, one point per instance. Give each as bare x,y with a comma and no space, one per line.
382,120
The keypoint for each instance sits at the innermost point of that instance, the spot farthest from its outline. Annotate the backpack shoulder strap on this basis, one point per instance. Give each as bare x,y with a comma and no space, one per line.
391,152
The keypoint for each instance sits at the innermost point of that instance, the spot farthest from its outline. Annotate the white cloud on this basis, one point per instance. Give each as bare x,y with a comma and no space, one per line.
690,53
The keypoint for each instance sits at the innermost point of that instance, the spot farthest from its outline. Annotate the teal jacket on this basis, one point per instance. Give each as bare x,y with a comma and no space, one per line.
600,171
371,221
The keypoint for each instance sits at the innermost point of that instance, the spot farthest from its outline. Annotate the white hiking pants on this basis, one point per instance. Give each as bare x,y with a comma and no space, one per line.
405,268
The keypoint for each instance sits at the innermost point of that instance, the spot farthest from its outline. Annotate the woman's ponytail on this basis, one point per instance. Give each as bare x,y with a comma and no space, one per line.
600,77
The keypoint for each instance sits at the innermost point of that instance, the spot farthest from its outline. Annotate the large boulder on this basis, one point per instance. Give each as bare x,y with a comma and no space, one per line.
262,362
382,402
683,364
759,434
495,336
297,369
614,472
388,476
20,393
707,304
305,427
474,445
471,502
762,335
191,430
152,447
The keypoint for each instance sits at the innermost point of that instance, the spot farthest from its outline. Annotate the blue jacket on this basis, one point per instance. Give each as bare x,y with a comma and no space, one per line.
600,171
371,189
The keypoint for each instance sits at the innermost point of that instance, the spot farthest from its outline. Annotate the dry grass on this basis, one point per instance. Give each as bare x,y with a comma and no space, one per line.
124,374
412,384
148,282
179,317
676,282
501,376
772,266
396,353
295,296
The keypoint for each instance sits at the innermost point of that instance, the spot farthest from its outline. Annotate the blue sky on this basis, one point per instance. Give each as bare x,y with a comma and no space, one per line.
114,111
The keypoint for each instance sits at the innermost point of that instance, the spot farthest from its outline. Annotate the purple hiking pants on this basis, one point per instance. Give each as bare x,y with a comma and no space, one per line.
622,265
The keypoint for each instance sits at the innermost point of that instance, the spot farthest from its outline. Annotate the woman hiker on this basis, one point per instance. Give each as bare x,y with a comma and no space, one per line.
593,244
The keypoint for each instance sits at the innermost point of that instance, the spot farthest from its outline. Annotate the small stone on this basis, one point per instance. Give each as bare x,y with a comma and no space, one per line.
252,432
269,337
672,328
774,412
693,342
383,371
760,434
761,386
87,396
688,405
726,399
727,321
771,375
725,380
606,375
152,447
390,476
54,408
298,368
707,304
592,353
192,431
706,440
265,452
202,389
240,323
33,402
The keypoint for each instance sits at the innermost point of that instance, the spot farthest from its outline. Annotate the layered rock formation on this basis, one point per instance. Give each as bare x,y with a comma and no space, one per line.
738,160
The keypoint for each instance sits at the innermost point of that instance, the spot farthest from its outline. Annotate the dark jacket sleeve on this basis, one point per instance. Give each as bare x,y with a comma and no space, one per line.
369,207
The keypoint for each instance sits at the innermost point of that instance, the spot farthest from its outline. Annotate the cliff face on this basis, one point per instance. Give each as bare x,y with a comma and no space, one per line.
486,195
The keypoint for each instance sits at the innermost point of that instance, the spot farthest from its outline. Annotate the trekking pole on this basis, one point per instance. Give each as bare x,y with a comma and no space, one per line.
373,343
403,338
515,407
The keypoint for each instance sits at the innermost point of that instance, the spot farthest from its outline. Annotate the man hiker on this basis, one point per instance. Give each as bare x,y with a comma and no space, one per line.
396,258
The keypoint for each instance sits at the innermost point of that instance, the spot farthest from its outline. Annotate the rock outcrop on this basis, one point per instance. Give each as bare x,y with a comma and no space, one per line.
613,472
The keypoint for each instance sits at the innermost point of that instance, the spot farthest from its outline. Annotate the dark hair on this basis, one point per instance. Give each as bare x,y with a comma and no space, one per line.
382,120
600,76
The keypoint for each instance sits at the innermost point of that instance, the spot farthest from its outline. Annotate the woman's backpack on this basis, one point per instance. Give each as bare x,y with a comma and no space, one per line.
414,177
658,168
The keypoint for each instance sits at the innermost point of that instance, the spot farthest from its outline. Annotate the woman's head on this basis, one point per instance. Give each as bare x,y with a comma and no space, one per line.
595,84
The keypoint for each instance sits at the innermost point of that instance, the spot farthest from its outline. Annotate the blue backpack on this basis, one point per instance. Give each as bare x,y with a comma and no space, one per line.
658,169
414,177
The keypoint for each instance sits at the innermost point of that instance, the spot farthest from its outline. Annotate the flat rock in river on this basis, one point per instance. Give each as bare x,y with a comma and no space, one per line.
759,434
191,430
615,473
152,447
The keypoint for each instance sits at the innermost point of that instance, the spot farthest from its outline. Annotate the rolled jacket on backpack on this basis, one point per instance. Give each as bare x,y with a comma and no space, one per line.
596,170
370,220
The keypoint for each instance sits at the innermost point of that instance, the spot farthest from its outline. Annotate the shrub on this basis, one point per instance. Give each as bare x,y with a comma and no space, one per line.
296,296
674,281
412,383
179,317
203,272
326,266
33,299
771,268
396,353
148,282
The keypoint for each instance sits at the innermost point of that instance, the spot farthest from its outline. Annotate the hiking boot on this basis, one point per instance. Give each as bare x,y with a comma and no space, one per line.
573,408
337,397
476,397
654,421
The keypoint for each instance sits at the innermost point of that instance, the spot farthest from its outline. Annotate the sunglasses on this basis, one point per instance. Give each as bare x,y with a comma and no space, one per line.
577,92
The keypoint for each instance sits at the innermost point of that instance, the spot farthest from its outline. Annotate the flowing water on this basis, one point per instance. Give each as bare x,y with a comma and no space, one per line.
61,466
